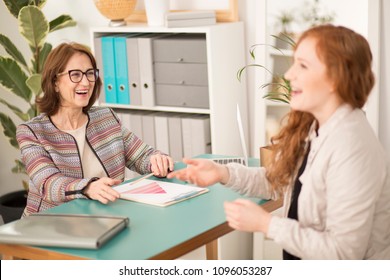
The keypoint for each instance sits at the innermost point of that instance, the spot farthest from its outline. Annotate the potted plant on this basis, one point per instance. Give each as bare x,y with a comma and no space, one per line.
24,81
278,89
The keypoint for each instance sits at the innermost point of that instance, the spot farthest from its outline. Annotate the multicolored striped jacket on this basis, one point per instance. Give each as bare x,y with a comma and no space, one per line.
53,162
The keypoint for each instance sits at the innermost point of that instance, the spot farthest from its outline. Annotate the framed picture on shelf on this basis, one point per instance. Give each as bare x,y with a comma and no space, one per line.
225,10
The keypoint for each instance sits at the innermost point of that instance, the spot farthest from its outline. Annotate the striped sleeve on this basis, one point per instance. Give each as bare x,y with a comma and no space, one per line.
51,184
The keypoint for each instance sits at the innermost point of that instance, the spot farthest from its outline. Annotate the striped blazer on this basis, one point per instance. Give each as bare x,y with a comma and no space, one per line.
53,162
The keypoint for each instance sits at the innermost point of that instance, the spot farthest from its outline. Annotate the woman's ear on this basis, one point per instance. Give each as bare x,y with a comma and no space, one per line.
56,88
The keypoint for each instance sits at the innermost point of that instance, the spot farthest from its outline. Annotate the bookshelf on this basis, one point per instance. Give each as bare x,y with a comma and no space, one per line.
224,54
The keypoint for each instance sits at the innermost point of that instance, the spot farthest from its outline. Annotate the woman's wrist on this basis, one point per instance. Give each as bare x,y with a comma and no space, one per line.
265,222
223,173
84,190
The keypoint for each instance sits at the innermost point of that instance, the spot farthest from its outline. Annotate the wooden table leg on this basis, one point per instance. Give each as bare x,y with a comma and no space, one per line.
212,250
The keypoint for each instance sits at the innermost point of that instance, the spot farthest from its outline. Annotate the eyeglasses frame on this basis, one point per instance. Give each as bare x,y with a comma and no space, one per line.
96,71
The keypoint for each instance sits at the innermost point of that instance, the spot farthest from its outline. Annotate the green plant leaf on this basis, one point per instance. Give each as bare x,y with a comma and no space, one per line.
280,88
14,6
9,129
25,185
61,22
41,56
32,112
11,49
19,167
33,26
272,97
34,83
240,71
39,3
16,110
13,78
285,38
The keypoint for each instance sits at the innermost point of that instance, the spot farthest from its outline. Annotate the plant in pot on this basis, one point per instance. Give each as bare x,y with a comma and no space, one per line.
23,81
278,89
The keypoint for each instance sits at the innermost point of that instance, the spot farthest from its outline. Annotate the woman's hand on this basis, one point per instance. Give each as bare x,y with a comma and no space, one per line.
201,172
161,165
102,191
246,215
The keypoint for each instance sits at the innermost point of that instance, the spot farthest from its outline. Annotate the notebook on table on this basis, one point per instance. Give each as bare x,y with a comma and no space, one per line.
241,160
158,193
63,230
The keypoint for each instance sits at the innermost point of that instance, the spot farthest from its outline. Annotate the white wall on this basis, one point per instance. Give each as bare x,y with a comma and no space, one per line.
384,86
344,15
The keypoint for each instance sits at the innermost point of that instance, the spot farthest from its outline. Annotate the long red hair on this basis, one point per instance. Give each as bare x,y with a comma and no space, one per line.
348,60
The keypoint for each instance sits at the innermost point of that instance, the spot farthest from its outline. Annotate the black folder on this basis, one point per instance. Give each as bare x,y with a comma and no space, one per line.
63,230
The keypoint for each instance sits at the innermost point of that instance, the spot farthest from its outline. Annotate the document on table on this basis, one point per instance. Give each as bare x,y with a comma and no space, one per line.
157,193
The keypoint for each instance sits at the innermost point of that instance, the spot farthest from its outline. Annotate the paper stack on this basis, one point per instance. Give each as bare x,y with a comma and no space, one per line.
190,18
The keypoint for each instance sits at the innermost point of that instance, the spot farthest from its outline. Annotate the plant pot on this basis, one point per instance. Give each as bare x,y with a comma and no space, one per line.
265,155
12,205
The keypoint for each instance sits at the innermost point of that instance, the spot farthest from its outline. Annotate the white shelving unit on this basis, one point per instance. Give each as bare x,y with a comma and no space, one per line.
225,55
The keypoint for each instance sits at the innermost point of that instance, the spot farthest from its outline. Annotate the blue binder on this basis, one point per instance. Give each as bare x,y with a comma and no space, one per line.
121,70
108,58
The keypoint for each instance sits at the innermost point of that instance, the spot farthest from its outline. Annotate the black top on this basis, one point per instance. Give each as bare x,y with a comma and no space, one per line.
293,211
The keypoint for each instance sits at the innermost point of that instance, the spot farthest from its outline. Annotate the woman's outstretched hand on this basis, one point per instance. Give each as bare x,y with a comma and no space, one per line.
201,172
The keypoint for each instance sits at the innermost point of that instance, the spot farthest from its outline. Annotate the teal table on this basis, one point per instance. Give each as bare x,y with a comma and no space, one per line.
154,232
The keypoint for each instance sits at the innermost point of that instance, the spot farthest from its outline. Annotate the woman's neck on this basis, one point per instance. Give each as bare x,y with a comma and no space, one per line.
66,119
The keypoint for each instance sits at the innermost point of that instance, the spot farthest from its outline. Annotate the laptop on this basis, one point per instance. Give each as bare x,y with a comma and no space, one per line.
63,230
241,160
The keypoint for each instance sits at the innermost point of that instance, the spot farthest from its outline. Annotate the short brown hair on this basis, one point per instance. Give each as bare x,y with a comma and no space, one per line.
56,62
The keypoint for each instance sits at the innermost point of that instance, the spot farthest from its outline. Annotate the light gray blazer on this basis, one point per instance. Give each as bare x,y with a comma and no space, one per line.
344,204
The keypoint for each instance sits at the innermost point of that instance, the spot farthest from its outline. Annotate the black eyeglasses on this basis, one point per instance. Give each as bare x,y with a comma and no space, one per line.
77,75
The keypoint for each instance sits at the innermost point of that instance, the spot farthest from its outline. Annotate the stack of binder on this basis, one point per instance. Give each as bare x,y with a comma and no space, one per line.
179,134
126,67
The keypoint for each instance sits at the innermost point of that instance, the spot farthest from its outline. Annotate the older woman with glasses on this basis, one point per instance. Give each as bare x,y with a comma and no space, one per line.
72,149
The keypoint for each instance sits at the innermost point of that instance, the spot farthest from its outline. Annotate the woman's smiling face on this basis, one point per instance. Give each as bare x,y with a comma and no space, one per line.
75,95
312,90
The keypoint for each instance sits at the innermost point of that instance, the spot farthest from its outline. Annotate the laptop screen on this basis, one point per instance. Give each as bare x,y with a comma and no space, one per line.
242,160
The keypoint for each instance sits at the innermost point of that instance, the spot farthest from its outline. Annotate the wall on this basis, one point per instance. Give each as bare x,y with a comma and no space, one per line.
384,86
343,15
